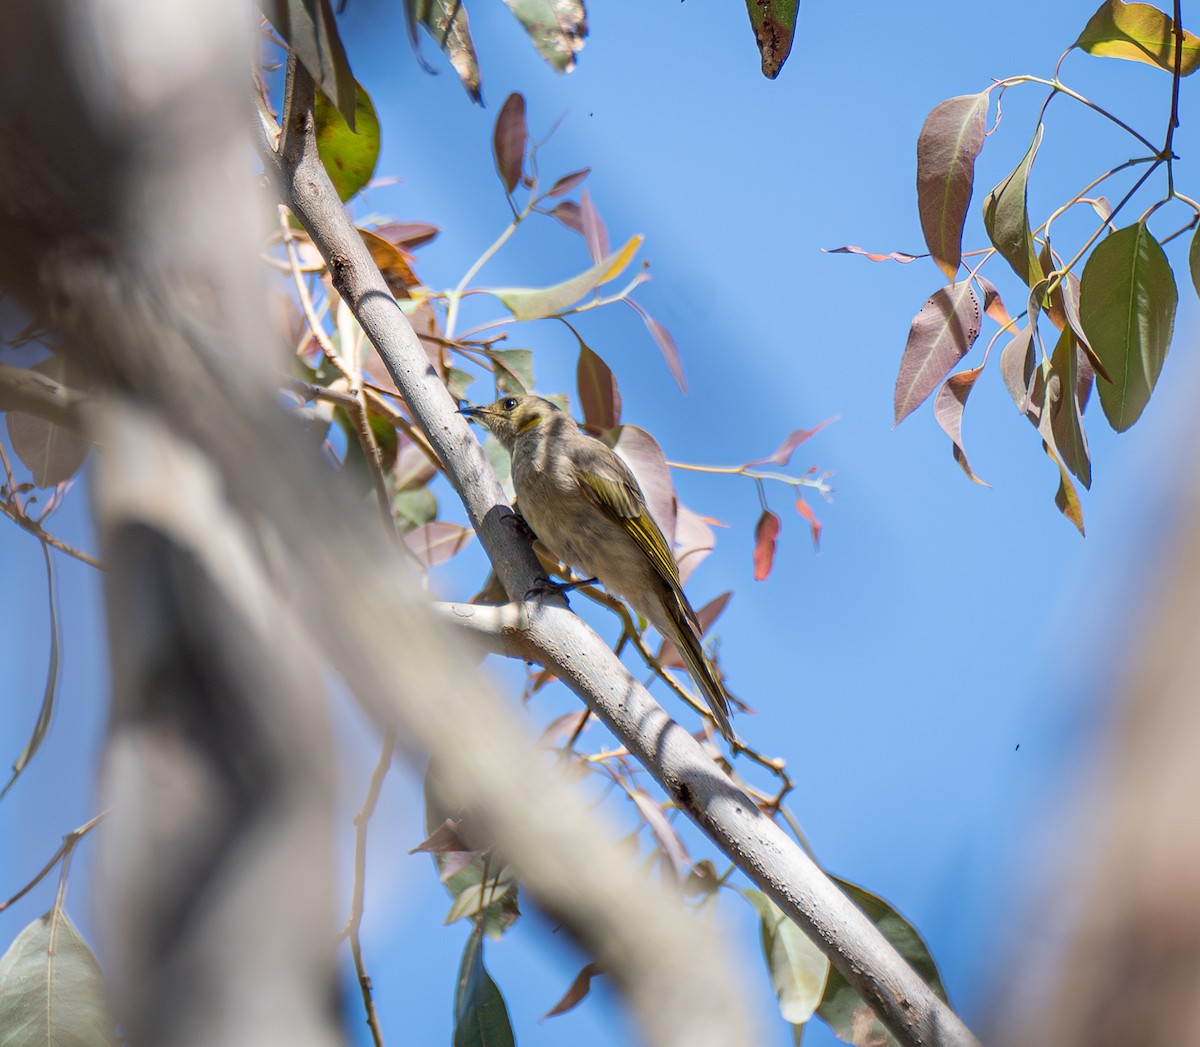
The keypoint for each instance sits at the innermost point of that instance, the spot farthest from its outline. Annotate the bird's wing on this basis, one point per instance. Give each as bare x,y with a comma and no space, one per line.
610,484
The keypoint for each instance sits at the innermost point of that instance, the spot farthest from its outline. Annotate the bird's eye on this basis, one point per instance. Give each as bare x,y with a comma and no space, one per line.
509,404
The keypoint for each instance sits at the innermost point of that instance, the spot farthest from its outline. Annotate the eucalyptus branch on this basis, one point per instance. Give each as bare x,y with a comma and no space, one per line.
1062,88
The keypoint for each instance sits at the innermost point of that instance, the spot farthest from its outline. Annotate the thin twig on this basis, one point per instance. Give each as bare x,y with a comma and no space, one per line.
18,517
65,848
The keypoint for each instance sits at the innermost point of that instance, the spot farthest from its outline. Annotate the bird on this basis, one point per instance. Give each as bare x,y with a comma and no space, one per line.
584,505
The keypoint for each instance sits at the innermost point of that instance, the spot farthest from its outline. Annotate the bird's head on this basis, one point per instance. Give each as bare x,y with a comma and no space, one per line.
510,416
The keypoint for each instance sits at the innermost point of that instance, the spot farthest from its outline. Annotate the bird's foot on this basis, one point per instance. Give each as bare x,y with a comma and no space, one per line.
546,587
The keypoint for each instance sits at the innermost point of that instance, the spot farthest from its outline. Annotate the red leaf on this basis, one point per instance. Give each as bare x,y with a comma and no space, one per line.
942,332
563,727
642,454
664,341
443,839
508,141
567,212
946,149
891,256
1016,367
407,234
593,228
694,540
434,543
668,654
568,182
765,533
664,832
802,507
598,393
578,990
992,303
783,454
948,408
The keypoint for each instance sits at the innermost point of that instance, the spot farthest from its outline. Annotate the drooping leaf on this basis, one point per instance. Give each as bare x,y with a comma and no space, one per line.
1194,259
594,231
814,525
509,139
664,341
842,1008
513,370
480,1014
568,182
536,303
578,990
408,235
1061,413
52,990
1016,367
669,843
890,256
694,540
993,305
1066,497
349,155
501,462
556,27
668,654
950,140
392,264
46,710
766,535
1127,307
435,542
599,396
446,21
774,25
942,332
641,452
1062,305
567,212
444,838
799,970
1137,33
1006,218
415,507
948,408
52,453
783,453
310,30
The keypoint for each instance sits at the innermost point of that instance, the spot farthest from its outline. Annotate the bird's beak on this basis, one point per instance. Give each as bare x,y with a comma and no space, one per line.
471,412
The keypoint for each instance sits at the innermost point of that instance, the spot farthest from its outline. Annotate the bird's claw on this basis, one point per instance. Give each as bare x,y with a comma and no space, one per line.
546,587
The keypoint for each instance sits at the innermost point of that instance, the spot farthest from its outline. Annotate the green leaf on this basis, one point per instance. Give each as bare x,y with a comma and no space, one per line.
51,989
415,507
513,370
309,28
446,22
480,1015
529,303
46,711
1194,259
349,156
942,332
1006,218
1137,33
950,139
1127,307
842,1008
1062,410
501,462
556,27
799,970
774,25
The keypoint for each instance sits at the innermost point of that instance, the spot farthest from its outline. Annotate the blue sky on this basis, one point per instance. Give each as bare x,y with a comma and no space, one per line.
941,625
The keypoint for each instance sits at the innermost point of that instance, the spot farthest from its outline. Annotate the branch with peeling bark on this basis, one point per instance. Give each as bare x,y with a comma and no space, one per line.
547,631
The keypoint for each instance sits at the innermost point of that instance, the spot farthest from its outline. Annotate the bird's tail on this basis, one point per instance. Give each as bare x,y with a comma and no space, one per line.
686,639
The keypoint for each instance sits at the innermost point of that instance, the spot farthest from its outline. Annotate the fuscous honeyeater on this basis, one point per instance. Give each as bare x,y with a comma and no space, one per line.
586,507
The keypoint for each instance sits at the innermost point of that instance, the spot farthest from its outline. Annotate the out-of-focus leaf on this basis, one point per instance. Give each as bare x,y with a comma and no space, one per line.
413,468
49,692
890,256
567,212
578,990
993,305
1194,259
595,234
774,25
599,396
446,22
514,370
52,990
415,507
702,880
392,263
508,141
664,833
310,30
1137,33
783,453
1006,218
814,525
948,408
435,542
480,1015
408,235
950,140
1062,413
52,453
501,462
1016,367
458,382
799,970
942,332
563,727
536,303
474,899
349,156
664,341
842,1008
444,838
694,540
766,534
1127,307
645,458
668,654
556,27
568,182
